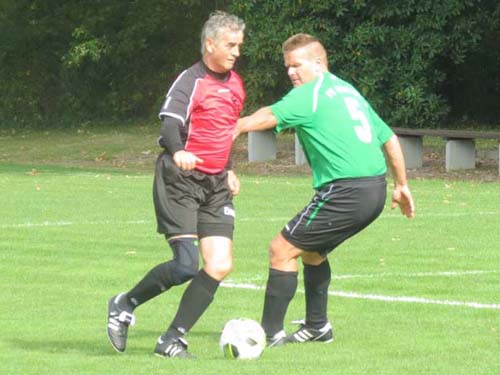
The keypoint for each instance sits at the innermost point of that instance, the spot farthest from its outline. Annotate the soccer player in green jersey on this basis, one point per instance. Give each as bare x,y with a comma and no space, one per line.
343,140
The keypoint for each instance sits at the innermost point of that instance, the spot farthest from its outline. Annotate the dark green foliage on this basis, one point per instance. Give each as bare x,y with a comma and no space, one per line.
473,86
70,61
418,62
398,54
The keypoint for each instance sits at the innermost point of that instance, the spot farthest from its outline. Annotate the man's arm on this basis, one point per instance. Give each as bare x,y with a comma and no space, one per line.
262,119
171,140
401,195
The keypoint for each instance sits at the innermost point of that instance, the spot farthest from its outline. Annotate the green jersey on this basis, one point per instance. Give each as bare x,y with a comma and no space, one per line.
340,133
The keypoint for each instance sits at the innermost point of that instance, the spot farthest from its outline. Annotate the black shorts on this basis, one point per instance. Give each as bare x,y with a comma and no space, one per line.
191,202
337,212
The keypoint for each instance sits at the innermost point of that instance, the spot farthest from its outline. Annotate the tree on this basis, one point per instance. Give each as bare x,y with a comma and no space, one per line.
73,61
472,87
418,62
392,51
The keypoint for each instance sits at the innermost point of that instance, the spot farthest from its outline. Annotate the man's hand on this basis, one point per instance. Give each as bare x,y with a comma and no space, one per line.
401,196
237,129
186,160
233,182
262,119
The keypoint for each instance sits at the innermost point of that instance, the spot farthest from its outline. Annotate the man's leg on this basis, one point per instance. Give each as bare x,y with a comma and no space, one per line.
183,267
217,255
281,287
316,281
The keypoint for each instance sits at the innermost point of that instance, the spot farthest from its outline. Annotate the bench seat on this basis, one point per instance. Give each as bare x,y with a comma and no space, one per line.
460,146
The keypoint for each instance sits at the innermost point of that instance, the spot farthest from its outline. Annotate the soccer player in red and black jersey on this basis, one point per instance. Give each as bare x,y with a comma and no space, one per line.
193,187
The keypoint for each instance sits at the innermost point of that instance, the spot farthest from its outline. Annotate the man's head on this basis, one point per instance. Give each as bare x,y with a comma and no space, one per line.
305,58
221,39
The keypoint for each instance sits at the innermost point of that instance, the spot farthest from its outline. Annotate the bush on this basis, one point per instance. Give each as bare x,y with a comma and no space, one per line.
393,52
75,61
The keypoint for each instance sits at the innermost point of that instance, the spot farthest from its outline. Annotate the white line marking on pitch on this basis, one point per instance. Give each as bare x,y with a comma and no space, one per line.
375,297
69,223
385,216
284,220
405,275
416,274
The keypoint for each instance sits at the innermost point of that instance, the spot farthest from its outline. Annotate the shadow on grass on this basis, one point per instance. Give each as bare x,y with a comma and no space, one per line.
89,347
100,347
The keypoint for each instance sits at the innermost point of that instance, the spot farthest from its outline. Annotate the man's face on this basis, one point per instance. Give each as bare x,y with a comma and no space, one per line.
301,67
221,53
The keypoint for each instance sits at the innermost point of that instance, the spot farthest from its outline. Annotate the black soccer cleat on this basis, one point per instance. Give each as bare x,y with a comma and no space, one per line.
118,322
172,347
306,334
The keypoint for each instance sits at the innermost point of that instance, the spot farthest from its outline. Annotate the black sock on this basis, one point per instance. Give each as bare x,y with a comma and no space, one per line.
316,282
194,302
156,281
281,287
124,303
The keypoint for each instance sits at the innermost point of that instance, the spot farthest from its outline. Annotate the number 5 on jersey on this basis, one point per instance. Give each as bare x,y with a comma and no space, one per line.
363,131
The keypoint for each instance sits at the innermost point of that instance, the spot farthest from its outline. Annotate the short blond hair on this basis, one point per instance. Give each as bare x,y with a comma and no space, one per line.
301,40
298,41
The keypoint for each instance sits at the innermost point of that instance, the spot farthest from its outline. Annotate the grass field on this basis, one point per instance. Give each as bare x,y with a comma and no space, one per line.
407,296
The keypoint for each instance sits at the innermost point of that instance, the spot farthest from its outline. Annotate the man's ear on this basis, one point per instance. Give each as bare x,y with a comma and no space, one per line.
209,45
317,66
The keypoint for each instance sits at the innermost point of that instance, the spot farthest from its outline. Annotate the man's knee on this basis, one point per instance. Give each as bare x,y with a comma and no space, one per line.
220,268
218,256
181,274
313,258
282,254
224,268
186,259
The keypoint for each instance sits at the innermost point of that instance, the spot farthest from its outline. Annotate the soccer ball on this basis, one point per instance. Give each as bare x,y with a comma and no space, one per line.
243,339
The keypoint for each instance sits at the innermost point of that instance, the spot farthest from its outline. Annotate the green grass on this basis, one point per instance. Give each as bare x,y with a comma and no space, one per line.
72,238
75,231
126,148
438,143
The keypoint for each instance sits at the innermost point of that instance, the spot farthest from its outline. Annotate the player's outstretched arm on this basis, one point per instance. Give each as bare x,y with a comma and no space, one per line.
262,119
401,195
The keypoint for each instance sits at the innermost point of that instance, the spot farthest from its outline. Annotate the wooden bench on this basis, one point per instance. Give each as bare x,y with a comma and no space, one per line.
460,146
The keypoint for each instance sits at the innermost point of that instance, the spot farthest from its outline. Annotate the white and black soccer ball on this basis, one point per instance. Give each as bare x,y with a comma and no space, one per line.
242,339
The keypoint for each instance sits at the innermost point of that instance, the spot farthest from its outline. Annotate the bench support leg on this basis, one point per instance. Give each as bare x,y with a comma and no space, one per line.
413,151
460,154
261,146
300,158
